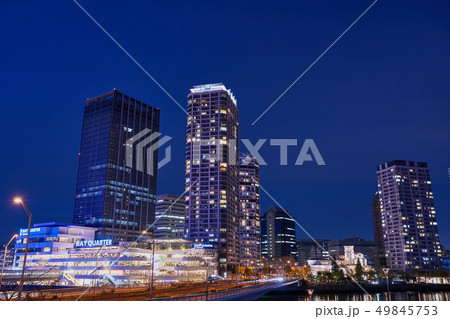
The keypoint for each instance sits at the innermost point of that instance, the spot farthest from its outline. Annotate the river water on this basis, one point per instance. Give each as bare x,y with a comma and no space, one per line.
395,296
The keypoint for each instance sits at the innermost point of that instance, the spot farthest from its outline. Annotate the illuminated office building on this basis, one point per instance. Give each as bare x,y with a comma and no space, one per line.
170,216
278,237
116,198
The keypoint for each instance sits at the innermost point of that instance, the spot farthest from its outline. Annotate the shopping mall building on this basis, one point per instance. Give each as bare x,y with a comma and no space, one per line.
63,254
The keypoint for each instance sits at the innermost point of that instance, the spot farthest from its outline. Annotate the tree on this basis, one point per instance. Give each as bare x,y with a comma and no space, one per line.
339,275
358,271
335,265
304,272
438,273
287,270
248,272
372,274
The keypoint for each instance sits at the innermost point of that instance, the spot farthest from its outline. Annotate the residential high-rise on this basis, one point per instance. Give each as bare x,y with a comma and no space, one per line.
278,234
117,199
249,224
170,217
212,171
376,220
408,216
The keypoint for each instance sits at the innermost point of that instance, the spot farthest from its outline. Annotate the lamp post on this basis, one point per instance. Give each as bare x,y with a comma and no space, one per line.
96,268
153,266
4,257
386,275
208,263
207,277
19,200
238,270
153,262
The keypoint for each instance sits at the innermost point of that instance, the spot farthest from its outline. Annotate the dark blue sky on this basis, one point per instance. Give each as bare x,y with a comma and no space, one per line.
381,93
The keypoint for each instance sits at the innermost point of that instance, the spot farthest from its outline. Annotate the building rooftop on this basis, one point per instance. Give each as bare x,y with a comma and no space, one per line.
402,163
212,87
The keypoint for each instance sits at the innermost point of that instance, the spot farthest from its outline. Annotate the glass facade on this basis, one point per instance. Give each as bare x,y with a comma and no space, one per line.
278,237
118,200
170,216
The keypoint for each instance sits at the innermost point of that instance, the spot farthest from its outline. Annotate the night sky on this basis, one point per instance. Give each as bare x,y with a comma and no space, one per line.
381,93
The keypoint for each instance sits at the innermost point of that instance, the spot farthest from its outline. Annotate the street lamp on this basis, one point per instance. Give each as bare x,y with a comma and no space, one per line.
153,261
19,200
208,263
4,257
386,275
238,273
96,267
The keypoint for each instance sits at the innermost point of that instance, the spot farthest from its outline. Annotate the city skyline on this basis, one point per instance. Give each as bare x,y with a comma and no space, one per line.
366,236
52,196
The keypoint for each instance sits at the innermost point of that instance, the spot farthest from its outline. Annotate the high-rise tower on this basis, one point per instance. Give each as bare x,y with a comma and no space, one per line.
278,237
408,216
212,169
250,224
117,199
376,220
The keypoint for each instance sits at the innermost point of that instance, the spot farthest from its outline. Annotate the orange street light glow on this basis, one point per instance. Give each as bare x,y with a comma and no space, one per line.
17,200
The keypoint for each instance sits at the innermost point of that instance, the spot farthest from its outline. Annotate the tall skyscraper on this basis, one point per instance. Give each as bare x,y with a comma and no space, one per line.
376,220
170,216
278,234
117,199
250,224
212,171
408,216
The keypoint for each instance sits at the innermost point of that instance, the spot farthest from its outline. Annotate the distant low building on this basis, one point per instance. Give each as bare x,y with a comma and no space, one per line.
276,266
308,249
369,249
317,266
352,258
170,215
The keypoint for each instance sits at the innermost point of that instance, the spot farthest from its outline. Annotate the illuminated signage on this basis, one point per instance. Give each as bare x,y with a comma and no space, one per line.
93,243
24,232
200,246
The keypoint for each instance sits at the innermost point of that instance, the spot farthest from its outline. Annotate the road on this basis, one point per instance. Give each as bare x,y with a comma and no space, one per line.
135,293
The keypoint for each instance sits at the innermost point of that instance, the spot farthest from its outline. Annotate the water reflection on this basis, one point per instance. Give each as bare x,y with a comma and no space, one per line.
395,296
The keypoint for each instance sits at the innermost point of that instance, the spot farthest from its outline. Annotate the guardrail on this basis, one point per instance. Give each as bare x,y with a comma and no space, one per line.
217,295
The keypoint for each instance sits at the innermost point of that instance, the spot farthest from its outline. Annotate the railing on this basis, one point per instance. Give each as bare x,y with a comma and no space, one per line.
219,294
